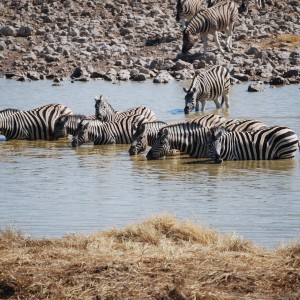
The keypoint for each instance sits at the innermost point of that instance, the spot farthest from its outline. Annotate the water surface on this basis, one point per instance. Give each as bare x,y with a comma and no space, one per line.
50,189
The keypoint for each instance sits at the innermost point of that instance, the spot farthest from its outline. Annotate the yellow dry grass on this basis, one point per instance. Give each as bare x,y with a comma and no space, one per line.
162,258
290,41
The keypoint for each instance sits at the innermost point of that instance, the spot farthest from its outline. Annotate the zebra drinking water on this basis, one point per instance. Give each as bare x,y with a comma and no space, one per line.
271,143
206,86
68,124
105,112
33,124
220,17
144,136
111,132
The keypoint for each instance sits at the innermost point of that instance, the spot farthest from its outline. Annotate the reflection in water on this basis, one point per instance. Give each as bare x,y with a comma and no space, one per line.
50,189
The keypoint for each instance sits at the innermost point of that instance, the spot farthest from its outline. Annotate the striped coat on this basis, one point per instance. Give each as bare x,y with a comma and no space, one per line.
33,124
218,18
112,132
271,143
208,86
105,112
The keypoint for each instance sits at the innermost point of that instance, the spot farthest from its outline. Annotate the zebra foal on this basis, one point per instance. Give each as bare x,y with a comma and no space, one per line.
220,17
110,132
105,112
33,124
207,86
271,143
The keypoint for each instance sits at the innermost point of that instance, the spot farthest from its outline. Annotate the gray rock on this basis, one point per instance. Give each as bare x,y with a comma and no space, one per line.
8,31
256,87
162,77
24,31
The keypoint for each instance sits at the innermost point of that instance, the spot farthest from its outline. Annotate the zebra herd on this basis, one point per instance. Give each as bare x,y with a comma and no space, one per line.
207,136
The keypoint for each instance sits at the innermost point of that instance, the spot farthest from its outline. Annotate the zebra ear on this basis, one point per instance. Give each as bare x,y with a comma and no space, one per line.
185,90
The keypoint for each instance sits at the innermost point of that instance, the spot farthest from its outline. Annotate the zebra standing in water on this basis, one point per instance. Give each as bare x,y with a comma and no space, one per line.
110,132
68,124
271,143
220,17
186,9
144,136
33,124
206,86
105,112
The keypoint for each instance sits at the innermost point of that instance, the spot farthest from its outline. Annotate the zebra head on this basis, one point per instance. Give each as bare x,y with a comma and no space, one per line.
190,99
81,133
187,41
139,139
161,146
60,127
214,144
103,110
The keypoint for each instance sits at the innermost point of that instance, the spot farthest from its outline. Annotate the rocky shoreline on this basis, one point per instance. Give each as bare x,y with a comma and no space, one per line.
139,40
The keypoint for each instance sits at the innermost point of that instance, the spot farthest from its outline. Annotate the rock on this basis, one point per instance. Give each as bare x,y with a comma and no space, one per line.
256,87
162,77
278,81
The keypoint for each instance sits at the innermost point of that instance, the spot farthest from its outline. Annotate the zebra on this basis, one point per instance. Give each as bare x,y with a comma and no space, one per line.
68,124
111,132
220,17
187,137
144,136
105,112
33,124
244,4
8,112
206,86
272,143
186,9
161,146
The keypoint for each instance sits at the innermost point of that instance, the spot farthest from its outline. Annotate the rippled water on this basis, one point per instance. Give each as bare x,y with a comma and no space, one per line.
49,189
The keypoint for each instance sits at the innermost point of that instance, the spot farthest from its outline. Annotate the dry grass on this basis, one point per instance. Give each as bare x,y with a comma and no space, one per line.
163,258
290,41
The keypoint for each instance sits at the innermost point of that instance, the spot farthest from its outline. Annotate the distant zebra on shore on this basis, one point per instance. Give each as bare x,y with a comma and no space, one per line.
111,132
220,17
186,9
105,112
33,124
206,86
271,143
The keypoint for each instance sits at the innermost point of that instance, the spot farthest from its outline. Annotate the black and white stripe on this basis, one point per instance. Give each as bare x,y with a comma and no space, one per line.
190,138
111,132
244,125
271,143
207,86
105,112
186,9
8,112
67,125
220,17
144,136
33,124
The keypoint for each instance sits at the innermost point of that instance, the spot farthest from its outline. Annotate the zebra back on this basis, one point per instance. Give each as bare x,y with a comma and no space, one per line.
271,143
8,112
186,9
105,112
33,124
190,138
111,132
144,136
243,125
209,120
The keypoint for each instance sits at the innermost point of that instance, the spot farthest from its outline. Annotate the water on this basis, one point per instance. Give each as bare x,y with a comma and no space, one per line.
48,189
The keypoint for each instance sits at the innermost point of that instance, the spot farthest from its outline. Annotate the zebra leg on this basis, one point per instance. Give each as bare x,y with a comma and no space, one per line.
228,32
203,102
225,95
197,106
218,104
217,41
205,43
